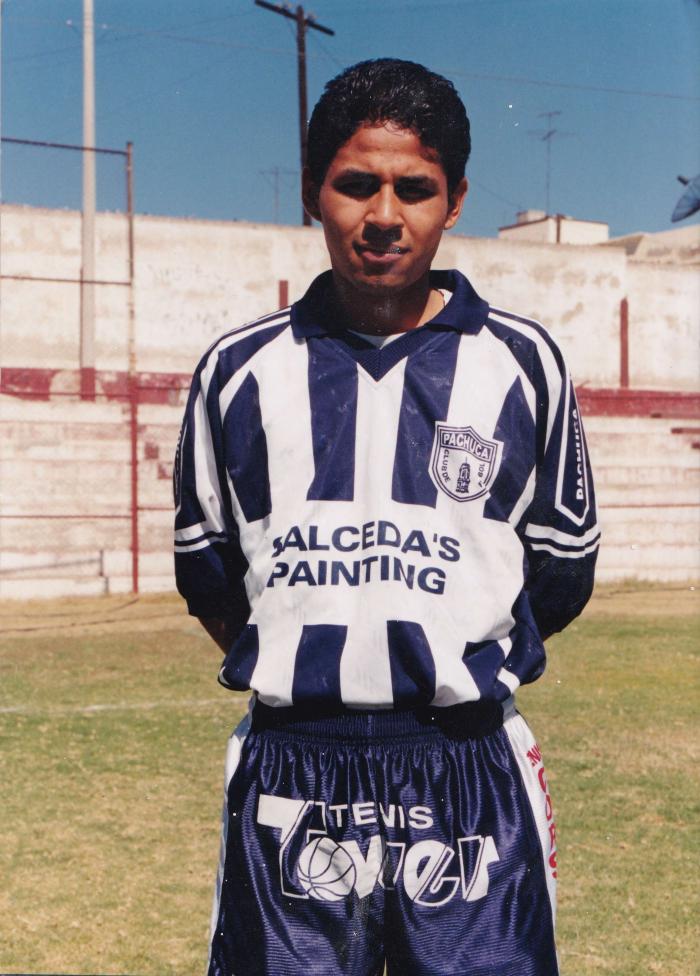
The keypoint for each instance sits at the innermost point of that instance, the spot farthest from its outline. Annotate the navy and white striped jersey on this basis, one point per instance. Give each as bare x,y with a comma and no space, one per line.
392,527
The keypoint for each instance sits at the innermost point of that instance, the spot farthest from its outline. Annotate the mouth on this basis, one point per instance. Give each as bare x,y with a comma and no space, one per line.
379,253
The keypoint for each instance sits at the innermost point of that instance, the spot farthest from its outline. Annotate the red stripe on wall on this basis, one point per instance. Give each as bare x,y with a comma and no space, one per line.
170,388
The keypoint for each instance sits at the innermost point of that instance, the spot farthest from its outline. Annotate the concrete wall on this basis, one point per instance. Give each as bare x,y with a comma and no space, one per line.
194,279
65,464
574,291
664,346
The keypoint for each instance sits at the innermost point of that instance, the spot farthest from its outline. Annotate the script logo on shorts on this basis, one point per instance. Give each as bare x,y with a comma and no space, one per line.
464,464
317,860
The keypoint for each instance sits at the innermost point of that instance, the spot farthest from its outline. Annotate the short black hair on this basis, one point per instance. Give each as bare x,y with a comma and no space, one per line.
390,90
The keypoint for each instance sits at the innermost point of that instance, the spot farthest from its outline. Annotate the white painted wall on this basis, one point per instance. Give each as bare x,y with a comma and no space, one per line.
195,279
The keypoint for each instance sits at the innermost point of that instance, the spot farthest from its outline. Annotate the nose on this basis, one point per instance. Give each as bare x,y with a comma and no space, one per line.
384,213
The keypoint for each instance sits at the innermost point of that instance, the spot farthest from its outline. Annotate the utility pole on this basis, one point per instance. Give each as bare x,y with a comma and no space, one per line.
303,22
87,270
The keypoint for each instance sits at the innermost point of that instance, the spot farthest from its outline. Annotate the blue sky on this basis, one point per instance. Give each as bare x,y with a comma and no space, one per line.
207,93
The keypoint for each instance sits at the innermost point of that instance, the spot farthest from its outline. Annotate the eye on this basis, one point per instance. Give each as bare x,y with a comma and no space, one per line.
358,187
413,192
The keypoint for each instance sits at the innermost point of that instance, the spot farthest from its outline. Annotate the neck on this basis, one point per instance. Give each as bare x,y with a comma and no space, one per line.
384,314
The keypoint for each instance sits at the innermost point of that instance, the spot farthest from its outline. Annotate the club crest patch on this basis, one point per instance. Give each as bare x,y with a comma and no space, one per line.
463,464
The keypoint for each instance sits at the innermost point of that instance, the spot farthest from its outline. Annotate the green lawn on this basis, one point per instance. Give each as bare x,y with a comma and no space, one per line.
113,732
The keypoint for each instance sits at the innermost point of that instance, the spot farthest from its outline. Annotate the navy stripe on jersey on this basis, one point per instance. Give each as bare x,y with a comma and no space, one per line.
211,580
241,660
340,484
427,387
483,660
524,351
246,451
317,664
411,662
515,429
333,398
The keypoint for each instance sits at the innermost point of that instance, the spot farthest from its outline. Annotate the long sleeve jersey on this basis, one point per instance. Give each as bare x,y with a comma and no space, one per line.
391,527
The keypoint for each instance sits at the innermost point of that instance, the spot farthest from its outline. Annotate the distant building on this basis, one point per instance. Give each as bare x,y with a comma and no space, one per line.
678,246
536,225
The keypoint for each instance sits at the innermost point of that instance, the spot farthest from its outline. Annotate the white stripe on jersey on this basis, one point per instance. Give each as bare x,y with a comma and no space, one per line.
453,682
377,425
509,679
273,676
537,532
202,544
365,673
505,676
193,532
565,553
206,475
522,503
290,454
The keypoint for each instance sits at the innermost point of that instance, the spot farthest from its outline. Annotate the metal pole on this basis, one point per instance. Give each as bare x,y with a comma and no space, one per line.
87,271
303,23
624,345
133,376
301,63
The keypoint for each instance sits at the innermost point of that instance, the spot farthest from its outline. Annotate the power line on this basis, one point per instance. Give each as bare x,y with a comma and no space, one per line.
572,87
498,196
517,79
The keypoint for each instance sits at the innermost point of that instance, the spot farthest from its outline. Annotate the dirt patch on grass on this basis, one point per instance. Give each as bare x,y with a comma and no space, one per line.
95,615
646,600
167,611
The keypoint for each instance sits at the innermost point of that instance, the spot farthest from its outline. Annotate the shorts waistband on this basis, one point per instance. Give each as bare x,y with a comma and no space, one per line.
470,720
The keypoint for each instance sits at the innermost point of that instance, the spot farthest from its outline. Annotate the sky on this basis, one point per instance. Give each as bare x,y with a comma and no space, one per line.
207,94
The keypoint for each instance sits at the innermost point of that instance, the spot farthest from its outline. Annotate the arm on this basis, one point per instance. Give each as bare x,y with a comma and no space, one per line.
222,630
560,531
209,564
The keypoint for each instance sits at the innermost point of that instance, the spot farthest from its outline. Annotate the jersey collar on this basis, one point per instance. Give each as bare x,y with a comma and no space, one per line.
465,311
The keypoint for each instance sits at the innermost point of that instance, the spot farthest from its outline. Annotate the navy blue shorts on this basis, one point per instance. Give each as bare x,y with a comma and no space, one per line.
419,841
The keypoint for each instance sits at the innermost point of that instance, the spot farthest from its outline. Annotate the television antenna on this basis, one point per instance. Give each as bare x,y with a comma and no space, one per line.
546,136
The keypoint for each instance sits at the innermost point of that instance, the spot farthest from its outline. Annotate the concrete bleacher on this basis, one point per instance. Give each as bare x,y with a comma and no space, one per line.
65,496
647,476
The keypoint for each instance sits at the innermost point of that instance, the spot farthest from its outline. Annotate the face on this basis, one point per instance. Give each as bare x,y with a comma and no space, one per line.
383,205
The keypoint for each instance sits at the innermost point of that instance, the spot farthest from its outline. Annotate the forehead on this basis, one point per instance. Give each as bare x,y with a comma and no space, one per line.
385,148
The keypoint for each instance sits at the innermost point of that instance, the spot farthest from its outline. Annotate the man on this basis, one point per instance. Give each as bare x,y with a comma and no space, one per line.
384,508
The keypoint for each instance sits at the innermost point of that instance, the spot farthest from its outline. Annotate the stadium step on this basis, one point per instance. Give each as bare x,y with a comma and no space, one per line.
73,458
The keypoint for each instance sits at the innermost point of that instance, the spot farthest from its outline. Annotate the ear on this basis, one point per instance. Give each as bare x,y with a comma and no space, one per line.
309,195
455,203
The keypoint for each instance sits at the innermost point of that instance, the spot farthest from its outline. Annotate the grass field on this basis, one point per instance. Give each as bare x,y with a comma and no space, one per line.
113,734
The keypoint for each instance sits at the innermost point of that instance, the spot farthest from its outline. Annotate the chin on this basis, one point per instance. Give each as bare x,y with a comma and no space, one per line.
380,284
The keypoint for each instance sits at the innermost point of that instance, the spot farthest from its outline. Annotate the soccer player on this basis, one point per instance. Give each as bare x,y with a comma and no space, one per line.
384,507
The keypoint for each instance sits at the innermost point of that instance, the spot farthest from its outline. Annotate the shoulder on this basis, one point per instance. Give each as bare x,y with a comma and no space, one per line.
238,346
526,338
